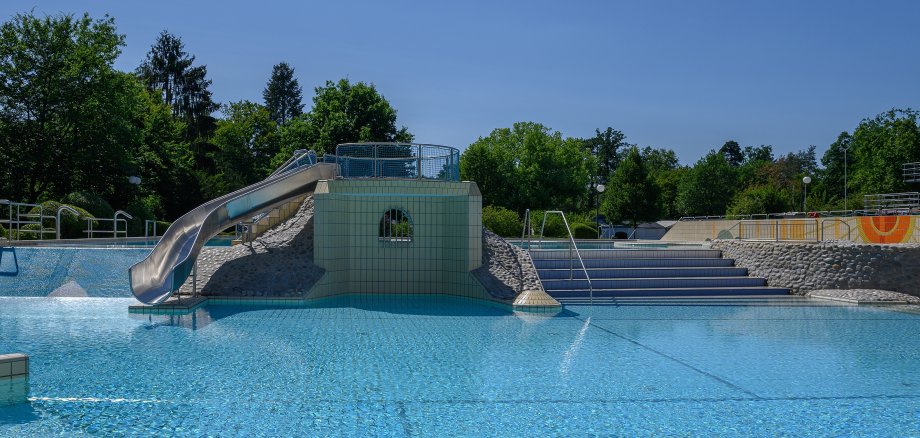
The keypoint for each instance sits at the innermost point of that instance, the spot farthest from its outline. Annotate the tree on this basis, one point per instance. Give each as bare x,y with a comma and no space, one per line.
880,147
632,195
832,177
708,187
248,141
761,199
664,169
168,71
758,153
605,146
344,112
283,94
67,119
731,150
528,166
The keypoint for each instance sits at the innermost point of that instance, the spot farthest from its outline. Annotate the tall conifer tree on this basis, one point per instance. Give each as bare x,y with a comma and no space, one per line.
283,94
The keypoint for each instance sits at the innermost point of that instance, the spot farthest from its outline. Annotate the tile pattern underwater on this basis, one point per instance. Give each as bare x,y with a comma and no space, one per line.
441,366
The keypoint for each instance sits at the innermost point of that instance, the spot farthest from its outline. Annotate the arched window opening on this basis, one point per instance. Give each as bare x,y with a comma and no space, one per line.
395,226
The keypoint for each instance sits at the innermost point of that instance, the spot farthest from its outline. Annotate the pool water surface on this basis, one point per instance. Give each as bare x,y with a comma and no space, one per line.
437,366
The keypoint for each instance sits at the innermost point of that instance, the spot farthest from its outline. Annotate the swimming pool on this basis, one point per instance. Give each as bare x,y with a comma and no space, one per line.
436,366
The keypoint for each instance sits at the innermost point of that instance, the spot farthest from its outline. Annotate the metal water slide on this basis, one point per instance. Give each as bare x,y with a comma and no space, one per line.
169,264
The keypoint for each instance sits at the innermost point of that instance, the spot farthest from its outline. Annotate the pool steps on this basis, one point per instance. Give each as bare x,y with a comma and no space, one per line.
647,273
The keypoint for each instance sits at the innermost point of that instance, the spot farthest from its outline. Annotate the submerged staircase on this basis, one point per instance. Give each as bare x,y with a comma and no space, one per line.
630,274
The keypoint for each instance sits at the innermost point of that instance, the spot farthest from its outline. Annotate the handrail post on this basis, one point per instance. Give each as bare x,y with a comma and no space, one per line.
58,219
572,245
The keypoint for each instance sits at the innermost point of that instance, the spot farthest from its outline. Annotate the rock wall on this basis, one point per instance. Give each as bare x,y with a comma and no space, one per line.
506,270
278,263
803,267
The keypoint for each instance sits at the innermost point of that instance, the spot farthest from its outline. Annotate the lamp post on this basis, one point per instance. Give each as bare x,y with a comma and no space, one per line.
597,208
806,180
846,206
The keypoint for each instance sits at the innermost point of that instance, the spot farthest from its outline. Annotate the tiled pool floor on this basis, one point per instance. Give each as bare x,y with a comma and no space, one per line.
442,366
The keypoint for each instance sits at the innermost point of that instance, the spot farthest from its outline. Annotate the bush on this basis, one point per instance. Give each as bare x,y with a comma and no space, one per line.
3,231
501,221
71,227
141,211
90,202
554,228
583,231
30,232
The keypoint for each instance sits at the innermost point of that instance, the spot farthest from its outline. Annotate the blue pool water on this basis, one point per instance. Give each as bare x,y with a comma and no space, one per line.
447,367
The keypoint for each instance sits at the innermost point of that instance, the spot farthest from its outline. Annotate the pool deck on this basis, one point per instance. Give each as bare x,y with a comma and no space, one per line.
864,296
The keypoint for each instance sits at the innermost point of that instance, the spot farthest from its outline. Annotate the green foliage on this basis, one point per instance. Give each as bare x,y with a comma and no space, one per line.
731,150
880,146
90,202
554,227
283,94
168,72
760,200
141,210
528,166
67,118
605,147
344,112
248,141
632,196
502,221
71,227
708,187
583,231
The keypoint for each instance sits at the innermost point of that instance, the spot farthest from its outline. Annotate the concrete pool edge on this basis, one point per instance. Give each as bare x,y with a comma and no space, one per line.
531,303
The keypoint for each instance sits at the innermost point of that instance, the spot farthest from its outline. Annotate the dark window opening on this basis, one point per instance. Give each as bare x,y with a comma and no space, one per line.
395,226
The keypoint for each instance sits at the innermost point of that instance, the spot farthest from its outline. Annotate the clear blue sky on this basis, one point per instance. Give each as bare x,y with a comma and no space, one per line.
677,74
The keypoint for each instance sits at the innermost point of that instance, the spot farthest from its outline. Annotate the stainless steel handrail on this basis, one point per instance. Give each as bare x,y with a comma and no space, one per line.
528,230
57,227
841,221
114,231
125,214
573,245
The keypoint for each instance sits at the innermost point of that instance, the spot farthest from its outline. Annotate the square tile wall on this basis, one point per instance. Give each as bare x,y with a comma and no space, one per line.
446,241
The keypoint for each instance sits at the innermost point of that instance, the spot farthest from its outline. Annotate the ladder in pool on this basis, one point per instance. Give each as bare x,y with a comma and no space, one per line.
573,247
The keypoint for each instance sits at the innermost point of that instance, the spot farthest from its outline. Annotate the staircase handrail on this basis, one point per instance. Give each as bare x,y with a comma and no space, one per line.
572,245
63,208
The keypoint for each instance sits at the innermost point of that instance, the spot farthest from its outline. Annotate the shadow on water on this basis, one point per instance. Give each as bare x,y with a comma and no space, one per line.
18,414
11,267
348,306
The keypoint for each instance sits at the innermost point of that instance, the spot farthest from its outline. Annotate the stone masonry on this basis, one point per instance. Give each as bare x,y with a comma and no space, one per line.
808,266
278,263
506,270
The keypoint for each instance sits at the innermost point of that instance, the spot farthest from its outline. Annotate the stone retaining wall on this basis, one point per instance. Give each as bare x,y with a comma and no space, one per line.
803,267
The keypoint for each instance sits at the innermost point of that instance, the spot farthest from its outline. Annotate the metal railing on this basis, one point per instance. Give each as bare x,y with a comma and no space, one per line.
396,161
902,211
892,201
301,157
776,230
19,215
573,247
61,209
838,222
911,172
